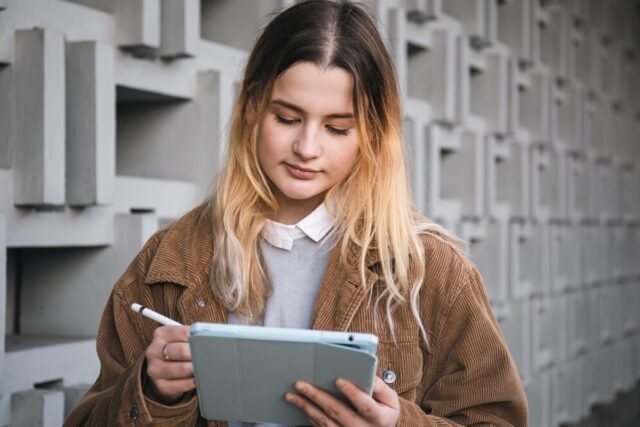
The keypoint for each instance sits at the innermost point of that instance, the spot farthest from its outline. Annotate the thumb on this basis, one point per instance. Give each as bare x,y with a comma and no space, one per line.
385,394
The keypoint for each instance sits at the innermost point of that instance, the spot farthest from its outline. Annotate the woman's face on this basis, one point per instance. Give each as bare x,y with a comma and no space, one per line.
307,141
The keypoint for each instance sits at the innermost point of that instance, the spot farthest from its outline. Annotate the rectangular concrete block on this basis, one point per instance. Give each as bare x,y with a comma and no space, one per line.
516,27
478,18
577,402
432,73
509,176
560,394
417,115
461,173
624,379
559,320
630,303
439,140
180,32
488,246
7,118
72,395
138,26
489,89
547,186
603,308
233,22
524,271
606,373
577,189
54,280
542,341
39,78
3,290
422,10
37,408
90,149
567,112
566,262
578,325
516,328
538,393
534,105
554,39
155,130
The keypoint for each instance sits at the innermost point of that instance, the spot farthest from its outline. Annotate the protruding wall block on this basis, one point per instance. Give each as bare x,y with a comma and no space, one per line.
423,10
180,33
42,408
478,18
39,153
55,279
90,151
138,26
7,118
3,287
515,27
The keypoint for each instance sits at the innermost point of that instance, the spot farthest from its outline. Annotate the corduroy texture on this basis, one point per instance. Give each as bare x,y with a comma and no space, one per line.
464,376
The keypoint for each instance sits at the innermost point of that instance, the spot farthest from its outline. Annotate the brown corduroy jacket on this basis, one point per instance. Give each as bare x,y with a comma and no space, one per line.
464,375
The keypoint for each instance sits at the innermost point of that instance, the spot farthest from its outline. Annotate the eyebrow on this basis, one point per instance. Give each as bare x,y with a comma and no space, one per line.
301,111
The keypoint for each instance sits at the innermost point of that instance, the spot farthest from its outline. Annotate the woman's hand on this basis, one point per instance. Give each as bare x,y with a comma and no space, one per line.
383,409
169,362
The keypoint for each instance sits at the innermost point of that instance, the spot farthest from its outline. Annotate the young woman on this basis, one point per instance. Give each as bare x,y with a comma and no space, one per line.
312,225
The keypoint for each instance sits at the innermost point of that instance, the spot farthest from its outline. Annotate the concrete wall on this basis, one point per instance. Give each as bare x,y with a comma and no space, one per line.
522,121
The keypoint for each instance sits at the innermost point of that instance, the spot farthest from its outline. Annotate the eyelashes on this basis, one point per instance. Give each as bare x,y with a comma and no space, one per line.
331,129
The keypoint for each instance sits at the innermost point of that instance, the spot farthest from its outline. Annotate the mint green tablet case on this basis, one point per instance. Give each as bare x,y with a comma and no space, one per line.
244,378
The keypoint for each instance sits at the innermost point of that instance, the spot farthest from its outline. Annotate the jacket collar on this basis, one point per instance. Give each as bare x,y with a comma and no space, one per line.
184,257
185,250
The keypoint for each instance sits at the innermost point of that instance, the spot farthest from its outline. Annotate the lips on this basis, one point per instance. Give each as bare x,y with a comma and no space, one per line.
300,172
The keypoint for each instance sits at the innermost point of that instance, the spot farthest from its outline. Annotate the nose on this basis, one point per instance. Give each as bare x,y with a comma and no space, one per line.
307,145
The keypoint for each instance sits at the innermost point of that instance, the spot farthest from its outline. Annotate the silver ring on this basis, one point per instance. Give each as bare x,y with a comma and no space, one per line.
165,356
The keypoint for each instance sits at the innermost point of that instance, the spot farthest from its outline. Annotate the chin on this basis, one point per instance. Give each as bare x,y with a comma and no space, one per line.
299,196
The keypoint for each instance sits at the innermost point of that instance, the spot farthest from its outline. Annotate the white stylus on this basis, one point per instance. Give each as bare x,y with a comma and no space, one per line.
147,312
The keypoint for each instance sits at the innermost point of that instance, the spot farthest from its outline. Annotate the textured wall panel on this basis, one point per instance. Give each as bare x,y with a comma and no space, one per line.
90,124
521,121
40,115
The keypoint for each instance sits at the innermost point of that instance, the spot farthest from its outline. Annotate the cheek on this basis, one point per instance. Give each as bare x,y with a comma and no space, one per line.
346,158
267,144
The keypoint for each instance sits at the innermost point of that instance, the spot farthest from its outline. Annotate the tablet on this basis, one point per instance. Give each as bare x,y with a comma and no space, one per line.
242,372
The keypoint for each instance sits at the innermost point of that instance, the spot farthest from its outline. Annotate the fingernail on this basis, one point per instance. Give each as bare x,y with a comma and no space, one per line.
288,397
298,385
340,382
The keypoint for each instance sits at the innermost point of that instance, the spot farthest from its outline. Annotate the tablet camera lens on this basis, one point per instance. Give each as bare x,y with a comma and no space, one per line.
350,337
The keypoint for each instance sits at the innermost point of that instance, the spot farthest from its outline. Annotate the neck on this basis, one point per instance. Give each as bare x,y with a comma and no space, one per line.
292,211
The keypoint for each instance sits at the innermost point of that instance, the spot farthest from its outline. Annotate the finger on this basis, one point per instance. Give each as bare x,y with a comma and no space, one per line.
171,333
385,394
174,388
176,352
331,406
160,370
364,404
317,416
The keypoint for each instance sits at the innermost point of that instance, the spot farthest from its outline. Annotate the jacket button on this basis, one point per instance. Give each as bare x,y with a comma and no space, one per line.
201,304
389,377
135,412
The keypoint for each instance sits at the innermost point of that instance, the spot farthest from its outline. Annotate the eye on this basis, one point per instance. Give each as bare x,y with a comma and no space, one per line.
338,131
284,121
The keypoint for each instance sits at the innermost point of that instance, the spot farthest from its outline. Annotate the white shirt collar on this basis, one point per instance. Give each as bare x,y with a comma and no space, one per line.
316,225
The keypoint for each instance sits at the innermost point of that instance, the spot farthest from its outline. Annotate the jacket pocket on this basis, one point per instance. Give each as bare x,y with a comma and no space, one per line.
400,366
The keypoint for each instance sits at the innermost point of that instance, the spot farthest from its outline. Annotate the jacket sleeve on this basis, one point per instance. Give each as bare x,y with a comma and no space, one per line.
473,380
116,398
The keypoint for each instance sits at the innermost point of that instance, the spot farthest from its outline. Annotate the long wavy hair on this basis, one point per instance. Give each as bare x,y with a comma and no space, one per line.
374,207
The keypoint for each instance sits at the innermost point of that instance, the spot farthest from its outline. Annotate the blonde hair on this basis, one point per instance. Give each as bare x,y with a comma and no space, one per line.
375,207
